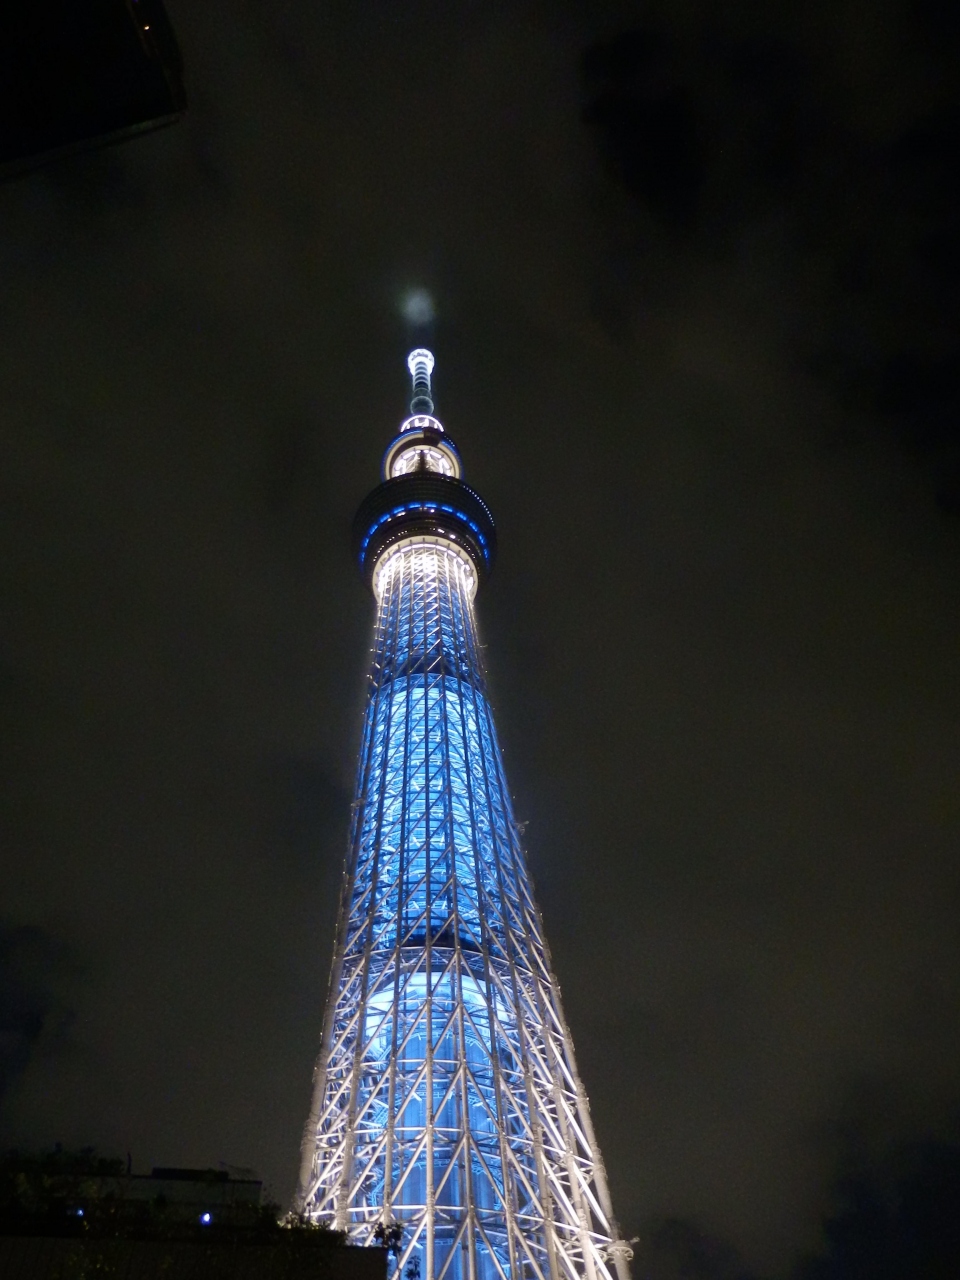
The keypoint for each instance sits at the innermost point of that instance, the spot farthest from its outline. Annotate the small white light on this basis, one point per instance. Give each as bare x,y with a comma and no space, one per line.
205,1219
79,1213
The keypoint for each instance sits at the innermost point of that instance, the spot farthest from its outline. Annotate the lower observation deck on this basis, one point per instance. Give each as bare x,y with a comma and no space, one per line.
423,503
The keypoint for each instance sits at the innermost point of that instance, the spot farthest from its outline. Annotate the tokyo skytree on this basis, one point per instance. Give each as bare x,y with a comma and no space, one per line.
448,1119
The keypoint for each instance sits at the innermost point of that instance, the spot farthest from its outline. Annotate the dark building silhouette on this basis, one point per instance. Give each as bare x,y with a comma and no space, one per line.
65,1215
58,1258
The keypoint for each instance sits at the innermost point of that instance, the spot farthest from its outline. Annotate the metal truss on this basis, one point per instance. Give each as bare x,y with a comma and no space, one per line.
446,1097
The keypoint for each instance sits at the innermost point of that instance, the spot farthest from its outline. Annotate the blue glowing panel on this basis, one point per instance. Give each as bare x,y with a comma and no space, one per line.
435,868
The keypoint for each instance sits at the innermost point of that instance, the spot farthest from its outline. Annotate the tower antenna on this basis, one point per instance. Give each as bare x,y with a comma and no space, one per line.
420,363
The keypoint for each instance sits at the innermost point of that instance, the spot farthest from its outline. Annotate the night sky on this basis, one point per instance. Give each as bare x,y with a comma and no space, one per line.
696,271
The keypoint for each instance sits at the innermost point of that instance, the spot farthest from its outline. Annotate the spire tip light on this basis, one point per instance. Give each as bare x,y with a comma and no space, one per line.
417,307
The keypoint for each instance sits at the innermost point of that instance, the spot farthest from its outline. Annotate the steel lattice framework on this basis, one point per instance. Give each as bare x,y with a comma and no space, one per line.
446,1096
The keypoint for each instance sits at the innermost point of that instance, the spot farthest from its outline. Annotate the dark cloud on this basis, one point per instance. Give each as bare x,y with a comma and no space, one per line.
725,134
674,1249
32,1016
648,123
698,351
898,1218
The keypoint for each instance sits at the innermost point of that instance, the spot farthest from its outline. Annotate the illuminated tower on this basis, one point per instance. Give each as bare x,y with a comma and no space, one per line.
446,1098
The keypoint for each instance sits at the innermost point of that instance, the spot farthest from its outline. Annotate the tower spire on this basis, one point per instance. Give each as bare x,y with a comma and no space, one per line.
420,363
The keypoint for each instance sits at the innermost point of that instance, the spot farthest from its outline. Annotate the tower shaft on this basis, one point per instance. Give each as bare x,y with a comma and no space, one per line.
446,1097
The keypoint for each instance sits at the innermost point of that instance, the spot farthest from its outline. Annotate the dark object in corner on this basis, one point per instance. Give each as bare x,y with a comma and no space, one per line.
82,73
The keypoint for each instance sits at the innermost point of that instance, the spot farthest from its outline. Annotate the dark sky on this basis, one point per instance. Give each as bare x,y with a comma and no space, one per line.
696,270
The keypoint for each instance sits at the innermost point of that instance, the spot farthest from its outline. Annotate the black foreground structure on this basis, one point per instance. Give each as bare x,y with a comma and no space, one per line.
76,74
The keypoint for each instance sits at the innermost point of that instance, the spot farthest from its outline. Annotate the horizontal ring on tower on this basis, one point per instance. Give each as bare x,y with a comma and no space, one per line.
421,446
423,503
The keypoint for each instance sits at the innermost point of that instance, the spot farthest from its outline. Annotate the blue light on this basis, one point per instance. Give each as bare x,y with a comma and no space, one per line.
423,506
437,858
79,1213
205,1219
